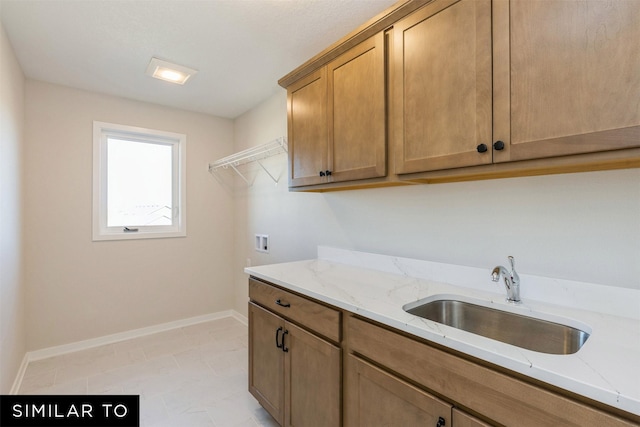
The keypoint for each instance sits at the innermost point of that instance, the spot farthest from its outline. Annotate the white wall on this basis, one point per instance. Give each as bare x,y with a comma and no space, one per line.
79,289
295,222
12,326
583,227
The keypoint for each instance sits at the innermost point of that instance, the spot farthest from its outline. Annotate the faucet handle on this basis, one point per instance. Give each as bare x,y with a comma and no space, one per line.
514,276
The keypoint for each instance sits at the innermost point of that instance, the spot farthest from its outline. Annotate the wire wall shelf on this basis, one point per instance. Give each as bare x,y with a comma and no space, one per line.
250,155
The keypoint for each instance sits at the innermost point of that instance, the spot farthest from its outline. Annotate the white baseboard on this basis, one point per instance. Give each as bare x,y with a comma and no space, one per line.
21,371
240,318
113,338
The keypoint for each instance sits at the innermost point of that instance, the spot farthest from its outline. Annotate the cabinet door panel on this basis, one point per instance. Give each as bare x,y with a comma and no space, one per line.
312,377
266,361
357,123
307,111
574,78
374,397
442,88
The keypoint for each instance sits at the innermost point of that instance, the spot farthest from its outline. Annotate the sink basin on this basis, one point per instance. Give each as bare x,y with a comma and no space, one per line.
535,334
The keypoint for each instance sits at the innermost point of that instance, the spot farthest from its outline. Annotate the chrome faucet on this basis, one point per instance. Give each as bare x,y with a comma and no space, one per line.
511,281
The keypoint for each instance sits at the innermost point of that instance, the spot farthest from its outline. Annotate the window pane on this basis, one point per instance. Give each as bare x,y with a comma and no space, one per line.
139,183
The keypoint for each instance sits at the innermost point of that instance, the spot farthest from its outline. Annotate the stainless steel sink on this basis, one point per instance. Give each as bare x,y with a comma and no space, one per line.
523,331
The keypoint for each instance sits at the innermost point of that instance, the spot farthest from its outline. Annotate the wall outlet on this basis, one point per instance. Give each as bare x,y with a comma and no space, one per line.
262,243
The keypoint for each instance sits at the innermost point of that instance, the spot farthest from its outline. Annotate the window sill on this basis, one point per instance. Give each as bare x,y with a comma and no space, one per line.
138,235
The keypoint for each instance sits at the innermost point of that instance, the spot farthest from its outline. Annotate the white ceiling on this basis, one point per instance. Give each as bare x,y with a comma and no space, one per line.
239,47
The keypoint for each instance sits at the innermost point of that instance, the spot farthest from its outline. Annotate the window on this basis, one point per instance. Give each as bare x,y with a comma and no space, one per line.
138,183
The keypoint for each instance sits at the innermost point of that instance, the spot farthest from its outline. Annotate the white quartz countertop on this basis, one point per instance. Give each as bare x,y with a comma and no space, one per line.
605,369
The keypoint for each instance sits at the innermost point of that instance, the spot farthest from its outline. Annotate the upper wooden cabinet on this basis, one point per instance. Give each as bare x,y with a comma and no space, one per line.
337,118
442,86
307,121
448,90
564,78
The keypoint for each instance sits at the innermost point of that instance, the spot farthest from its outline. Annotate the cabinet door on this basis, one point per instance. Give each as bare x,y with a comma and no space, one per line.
266,361
442,86
312,378
566,77
356,110
307,121
375,398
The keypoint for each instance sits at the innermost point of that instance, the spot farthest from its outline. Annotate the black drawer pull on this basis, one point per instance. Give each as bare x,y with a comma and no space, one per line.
282,304
278,343
285,349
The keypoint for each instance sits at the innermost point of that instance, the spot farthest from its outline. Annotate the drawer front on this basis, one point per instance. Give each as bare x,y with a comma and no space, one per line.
500,397
317,317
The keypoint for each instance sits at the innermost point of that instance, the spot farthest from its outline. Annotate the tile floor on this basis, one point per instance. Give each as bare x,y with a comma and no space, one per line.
193,376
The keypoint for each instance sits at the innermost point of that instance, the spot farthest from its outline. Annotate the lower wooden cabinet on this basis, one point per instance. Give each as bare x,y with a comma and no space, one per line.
312,380
266,361
299,373
294,374
374,397
497,396
461,419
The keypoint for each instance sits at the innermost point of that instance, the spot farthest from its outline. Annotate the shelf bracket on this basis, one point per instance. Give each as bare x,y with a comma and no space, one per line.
268,173
241,176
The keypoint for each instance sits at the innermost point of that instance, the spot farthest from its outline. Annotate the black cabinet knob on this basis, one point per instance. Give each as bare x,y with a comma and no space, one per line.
498,145
328,172
482,148
322,173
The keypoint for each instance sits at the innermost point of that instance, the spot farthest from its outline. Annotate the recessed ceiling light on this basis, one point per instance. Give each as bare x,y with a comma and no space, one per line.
169,72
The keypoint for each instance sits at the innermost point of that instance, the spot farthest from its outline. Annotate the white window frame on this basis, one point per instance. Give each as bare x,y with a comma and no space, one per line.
101,131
